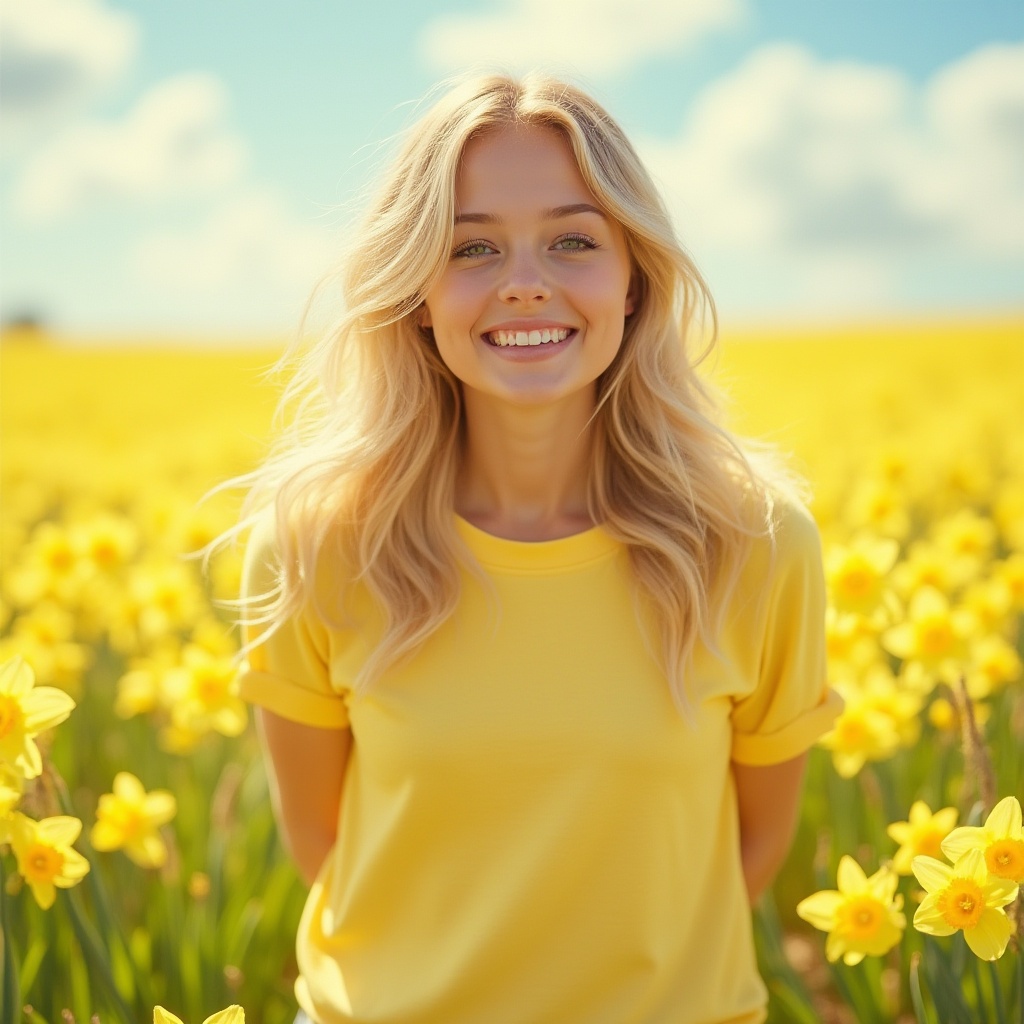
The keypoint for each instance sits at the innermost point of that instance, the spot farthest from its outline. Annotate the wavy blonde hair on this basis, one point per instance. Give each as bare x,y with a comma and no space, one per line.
369,460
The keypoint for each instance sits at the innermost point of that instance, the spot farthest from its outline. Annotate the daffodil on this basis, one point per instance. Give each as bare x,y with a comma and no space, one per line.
202,694
45,858
861,733
856,573
232,1015
934,636
25,711
965,897
1000,839
129,818
921,835
863,917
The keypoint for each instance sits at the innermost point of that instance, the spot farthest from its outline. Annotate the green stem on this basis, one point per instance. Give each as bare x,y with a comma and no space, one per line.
93,949
980,1006
108,919
916,995
11,993
997,993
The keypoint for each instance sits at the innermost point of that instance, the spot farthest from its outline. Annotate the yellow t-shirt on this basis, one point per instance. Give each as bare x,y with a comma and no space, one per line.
530,832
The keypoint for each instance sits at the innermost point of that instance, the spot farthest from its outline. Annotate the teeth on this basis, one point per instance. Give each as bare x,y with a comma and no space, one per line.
523,338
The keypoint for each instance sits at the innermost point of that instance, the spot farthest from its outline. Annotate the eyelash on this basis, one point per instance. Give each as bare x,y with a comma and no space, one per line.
463,250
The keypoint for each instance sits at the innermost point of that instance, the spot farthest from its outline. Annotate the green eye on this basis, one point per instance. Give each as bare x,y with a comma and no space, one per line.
474,249
575,243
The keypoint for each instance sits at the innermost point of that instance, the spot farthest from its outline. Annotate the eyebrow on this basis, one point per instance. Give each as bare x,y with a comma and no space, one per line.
556,213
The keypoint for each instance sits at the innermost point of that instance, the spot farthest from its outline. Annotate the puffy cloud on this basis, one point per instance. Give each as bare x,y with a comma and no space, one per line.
173,142
594,37
844,170
250,263
56,56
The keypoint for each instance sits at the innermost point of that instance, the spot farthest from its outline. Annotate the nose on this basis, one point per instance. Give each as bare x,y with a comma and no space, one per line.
524,281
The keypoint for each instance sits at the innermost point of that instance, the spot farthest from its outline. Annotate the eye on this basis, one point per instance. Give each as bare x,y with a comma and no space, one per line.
575,243
476,247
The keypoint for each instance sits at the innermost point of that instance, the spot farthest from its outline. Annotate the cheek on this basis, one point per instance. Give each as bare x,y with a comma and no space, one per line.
451,306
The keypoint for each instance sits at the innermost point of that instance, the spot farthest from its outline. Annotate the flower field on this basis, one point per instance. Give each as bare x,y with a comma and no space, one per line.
139,864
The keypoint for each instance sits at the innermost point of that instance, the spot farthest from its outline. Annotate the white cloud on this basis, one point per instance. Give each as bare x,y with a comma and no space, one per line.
842,171
174,142
591,37
55,57
251,263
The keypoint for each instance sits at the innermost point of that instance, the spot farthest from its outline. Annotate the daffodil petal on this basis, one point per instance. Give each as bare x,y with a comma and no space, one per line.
232,1015
105,836
160,806
931,873
61,830
44,707
988,938
44,892
962,839
850,876
128,788
1000,891
928,918
1005,819
162,1016
819,909
16,677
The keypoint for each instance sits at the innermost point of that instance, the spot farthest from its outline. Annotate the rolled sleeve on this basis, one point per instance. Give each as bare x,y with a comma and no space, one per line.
791,705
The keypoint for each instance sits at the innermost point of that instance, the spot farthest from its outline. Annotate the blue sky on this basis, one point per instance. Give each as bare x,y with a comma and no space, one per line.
190,167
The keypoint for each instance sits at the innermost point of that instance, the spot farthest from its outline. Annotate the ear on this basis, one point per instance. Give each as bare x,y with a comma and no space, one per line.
423,318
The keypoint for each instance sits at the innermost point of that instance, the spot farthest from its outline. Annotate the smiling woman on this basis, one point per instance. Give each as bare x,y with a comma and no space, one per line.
543,649
532,305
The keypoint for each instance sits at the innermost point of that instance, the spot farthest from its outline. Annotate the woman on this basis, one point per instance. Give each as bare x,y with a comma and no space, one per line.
541,650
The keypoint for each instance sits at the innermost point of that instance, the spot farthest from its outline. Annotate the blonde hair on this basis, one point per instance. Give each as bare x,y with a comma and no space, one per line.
369,461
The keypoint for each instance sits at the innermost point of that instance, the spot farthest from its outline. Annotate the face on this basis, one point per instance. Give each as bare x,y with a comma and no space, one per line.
532,304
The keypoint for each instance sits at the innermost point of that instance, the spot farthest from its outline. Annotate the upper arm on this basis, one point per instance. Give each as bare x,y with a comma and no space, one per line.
306,765
768,799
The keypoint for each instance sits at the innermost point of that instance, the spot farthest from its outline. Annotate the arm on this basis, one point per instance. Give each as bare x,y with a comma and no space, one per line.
306,768
768,799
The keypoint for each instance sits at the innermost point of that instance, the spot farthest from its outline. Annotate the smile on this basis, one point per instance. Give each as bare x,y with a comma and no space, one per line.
519,339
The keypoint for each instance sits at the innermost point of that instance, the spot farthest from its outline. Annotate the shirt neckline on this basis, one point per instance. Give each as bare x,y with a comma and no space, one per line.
527,556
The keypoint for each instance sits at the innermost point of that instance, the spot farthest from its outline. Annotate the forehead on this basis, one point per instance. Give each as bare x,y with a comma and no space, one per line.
518,166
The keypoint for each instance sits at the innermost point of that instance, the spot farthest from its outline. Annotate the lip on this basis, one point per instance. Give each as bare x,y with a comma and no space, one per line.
529,325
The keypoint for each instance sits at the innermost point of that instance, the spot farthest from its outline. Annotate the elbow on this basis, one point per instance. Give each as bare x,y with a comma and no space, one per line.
307,848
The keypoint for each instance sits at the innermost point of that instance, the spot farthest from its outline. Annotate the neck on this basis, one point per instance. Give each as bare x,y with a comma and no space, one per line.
525,469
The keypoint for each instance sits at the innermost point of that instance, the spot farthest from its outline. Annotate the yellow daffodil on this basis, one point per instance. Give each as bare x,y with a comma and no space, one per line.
129,818
1000,839
856,573
965,898
1011,574
921,835
968,536
850,644
863,917
203,696
45,858
926,565
994,663
232,1015
25,711
879,506
934,636
12,786
106,542
861,733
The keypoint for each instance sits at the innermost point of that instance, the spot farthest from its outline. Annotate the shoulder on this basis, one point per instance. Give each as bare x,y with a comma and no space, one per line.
794,533
785,551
